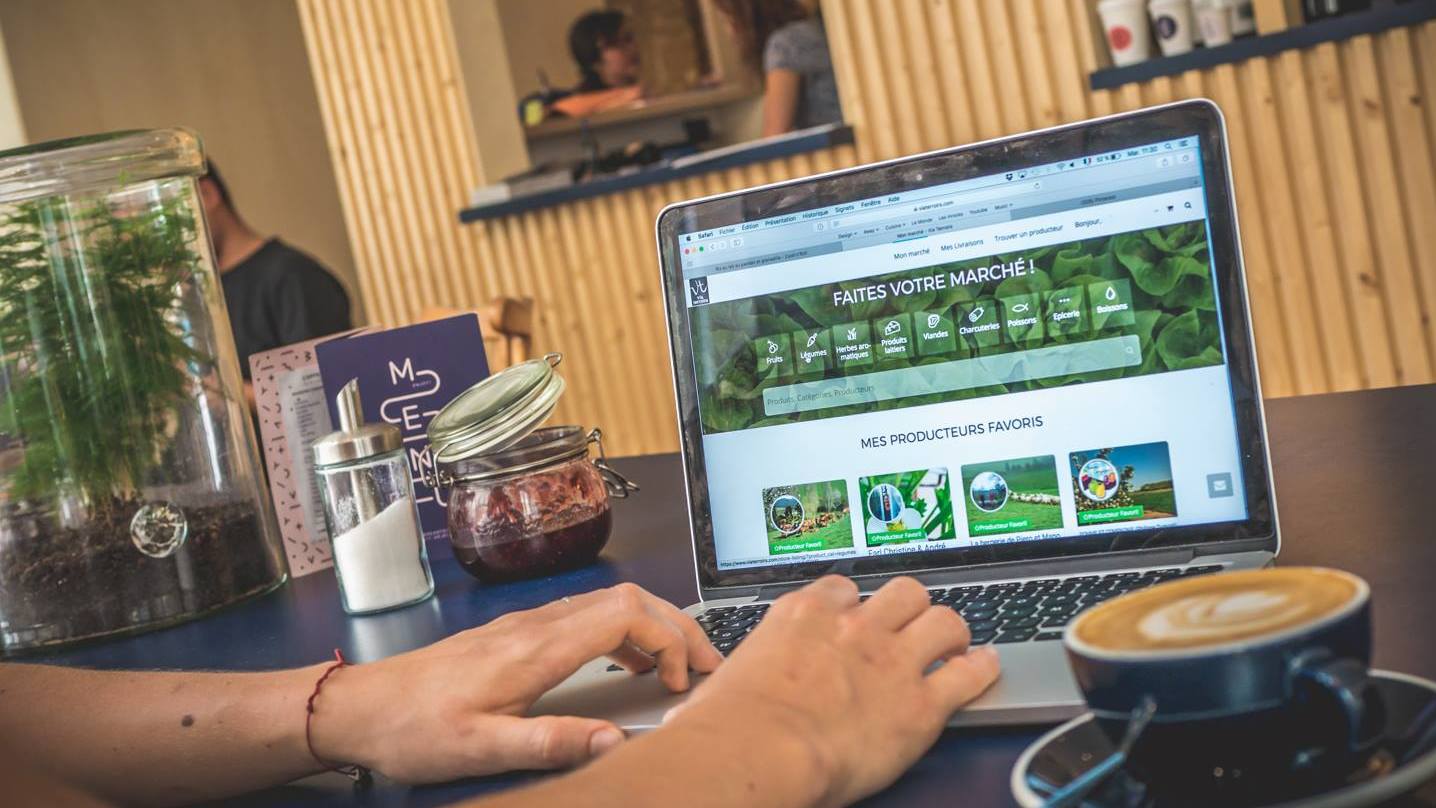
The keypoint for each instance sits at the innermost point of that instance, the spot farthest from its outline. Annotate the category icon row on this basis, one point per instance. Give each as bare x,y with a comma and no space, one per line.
963,329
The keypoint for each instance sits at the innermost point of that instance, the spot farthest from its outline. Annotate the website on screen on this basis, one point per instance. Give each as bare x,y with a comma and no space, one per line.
1031,356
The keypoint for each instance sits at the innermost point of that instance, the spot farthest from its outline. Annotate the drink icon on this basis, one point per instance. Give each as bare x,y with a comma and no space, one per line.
1111,293
976,314
891,328
933,320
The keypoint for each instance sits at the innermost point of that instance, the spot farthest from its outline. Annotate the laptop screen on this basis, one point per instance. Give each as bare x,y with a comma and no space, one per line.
1030,356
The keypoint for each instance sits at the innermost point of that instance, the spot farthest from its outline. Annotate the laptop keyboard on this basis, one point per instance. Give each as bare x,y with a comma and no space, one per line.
1019,611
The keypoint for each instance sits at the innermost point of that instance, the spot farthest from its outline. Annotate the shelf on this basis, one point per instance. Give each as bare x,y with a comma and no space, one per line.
1307,35
757,151
645,109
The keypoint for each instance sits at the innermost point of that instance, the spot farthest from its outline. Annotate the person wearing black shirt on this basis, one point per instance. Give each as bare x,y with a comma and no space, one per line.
276,295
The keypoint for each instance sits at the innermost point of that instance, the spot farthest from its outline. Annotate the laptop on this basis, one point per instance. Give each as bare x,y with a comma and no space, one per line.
1020,371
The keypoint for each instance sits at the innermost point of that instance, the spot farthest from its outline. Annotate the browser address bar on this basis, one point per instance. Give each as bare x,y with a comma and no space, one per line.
938,202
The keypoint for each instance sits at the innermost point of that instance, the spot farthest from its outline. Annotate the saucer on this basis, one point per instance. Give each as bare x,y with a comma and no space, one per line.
1399,765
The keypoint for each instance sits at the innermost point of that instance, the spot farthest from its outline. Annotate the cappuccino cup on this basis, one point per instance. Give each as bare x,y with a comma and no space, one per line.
1251,679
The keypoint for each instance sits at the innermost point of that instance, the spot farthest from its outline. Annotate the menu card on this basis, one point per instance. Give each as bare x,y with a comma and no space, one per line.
406,375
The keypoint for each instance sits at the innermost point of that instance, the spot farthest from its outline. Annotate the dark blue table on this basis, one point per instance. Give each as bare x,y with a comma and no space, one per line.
1355,483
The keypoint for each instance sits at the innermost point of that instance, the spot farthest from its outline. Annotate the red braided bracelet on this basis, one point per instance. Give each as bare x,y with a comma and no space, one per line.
358,774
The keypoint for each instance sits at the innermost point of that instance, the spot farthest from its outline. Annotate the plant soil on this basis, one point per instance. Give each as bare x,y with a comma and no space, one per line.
63,584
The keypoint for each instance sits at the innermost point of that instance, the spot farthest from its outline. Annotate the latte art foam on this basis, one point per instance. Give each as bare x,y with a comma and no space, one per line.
1216,609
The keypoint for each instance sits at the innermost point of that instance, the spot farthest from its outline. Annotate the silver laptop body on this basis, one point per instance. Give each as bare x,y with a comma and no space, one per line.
1153,186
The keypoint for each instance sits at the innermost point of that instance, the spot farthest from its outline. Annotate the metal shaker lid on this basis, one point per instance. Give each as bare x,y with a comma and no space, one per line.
355,440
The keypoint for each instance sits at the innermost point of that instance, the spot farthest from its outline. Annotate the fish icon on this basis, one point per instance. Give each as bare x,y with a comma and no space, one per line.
1019,308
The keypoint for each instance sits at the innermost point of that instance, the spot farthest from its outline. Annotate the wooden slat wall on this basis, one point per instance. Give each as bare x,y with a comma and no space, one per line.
1332,147
1333,150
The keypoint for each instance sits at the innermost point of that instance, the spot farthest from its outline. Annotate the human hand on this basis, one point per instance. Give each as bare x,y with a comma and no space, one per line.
848,682
455,708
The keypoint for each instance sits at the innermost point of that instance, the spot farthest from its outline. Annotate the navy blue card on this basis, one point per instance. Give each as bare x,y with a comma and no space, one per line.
406,375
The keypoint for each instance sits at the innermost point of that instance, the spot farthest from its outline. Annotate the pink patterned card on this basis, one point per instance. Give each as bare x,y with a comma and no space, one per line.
289,396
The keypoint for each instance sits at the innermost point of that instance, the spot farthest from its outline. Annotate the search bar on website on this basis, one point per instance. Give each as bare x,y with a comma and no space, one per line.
950,377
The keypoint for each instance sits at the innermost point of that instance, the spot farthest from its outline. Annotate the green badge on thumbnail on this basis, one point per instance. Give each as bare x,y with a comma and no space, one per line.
910,506
1012,496
807,517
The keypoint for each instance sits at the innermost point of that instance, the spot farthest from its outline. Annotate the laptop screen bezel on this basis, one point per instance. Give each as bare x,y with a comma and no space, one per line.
1199,118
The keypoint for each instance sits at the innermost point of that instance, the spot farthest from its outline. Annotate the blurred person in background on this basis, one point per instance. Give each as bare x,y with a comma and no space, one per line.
276,294
606,51
786,40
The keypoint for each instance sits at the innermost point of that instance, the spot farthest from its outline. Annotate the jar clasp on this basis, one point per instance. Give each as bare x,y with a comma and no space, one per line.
436,478
618,485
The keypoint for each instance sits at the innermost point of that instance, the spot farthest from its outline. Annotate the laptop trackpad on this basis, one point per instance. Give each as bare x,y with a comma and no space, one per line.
1036,688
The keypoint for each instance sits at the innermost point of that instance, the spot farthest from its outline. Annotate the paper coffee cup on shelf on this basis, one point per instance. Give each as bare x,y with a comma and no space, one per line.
1125,24
1214,21
1243,18
1172,23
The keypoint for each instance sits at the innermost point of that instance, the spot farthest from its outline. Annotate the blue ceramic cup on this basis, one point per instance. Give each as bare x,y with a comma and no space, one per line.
1254,677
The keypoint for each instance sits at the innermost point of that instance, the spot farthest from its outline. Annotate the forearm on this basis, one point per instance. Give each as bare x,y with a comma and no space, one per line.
159,737
694,762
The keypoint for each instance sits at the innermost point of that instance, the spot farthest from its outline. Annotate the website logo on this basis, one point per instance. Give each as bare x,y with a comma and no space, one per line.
698,290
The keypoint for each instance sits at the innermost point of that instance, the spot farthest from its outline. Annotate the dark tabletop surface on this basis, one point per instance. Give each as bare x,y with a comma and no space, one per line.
1353,473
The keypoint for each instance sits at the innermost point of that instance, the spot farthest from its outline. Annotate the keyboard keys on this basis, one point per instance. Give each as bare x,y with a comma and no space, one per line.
1018,635
1003,612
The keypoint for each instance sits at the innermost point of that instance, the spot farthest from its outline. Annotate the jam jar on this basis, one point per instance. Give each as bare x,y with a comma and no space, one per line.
522,502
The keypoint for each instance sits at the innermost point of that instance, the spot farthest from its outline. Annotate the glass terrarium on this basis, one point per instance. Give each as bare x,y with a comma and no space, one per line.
130,487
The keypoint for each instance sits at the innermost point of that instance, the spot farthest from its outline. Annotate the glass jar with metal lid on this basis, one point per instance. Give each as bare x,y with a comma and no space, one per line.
522,502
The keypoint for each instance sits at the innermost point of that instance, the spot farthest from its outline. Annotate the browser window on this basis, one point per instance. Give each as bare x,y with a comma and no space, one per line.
1030,356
